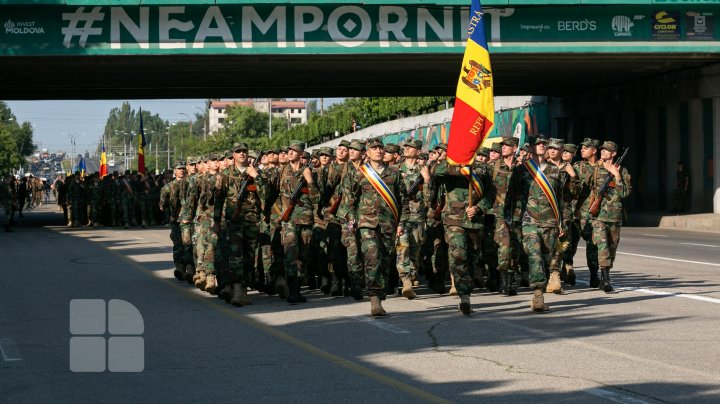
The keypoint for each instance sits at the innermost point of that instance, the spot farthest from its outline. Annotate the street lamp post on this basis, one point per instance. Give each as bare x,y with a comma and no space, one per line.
182,154
205,118
72,137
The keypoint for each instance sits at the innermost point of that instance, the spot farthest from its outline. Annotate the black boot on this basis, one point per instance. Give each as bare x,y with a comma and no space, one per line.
269,285
326,285
506,287
493,281
335,287
356,289
605,284
594,280
294,286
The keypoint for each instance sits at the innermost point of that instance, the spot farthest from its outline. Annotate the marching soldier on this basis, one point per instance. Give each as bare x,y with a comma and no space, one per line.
172,199
606,226
320,255
587,171
94,200
336,250
503,234
8,201
185,218
435,259
127,200
571,220
270,238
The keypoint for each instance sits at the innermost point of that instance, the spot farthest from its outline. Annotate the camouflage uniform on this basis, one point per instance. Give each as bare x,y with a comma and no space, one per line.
337,251
188,205
348,238
172,201
414,214
434,255
94,198
269,239
207,239
320,265
462,234
112,197
74,198
586,173
503,234
127,200
8,199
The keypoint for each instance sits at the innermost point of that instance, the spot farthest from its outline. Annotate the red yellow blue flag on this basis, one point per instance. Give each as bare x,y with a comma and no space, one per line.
103,163
474,107
141,147
544,185
474,179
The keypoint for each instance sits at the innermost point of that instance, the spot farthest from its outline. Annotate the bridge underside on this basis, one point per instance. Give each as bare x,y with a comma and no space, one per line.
228,76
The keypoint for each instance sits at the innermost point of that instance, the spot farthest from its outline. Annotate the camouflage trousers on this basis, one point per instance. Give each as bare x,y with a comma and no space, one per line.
319,252
75,212
407,249
271,249
113,207
519,256
434,251
243,243
606,236
489,257
503,238
350,241
591,250
563,244
128,210
464,254
186,237
573,230
178,245
336,250
205,243
296,242
538,243
93,211
377,246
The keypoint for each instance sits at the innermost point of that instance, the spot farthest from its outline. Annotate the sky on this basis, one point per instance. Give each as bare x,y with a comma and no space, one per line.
56,121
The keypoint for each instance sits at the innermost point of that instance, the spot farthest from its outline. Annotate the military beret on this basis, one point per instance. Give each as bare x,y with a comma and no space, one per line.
570,148
556,143
390,147
589,142
375,142
357,145
180,164
496,147
414,143
326,151
483,151
297,146
510,141
240,147
441,146
610,146
345,143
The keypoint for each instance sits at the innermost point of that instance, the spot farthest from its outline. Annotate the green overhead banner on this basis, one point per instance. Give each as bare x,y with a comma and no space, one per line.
338,28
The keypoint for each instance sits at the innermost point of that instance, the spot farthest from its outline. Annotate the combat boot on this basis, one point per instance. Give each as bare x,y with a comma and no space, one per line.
326,285
507,288
210,283
524,278
244,297
493,281
226,293
336,286
554,285
281,287
294,285
237,292
376,309
356,290
605,284
537,304
464,307
407,290
190,273
594,280
453,291
179,271
570,274
199,279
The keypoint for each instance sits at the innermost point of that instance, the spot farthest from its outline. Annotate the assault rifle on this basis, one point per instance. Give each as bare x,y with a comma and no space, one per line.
334,207
295,196
416,185
242,191
596,200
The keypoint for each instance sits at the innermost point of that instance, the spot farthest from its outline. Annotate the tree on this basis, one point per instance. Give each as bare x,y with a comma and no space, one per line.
16,141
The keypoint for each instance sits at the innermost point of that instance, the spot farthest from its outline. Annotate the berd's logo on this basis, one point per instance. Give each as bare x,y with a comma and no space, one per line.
477,76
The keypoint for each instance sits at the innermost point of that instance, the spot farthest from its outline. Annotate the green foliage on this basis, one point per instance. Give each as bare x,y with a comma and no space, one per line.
16,141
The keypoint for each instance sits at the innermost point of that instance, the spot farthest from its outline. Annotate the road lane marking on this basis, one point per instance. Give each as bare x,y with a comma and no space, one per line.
666,259
615,397
9,350
701,245
654,235
659,293
297,342
380,324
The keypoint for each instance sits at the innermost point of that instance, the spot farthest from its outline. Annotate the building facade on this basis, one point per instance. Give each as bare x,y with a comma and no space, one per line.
294,111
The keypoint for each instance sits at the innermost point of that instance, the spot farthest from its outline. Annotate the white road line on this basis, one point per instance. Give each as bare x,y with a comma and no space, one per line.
701,245
659,293
614,397
380,324
666,259
9,350
654,235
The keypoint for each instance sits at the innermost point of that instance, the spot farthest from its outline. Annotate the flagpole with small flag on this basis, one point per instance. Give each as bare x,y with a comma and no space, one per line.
474,107
103,163
141,147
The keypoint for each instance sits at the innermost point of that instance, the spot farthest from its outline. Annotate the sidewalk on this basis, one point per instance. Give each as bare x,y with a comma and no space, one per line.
695,222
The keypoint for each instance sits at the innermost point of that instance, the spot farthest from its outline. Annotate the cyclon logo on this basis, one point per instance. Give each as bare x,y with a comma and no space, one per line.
621,25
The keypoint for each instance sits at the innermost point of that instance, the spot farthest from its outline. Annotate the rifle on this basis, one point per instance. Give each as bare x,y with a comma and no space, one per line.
295,196
416,185
334,207
242,191
596,200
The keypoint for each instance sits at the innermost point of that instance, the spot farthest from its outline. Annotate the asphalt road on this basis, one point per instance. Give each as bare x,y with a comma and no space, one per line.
654,340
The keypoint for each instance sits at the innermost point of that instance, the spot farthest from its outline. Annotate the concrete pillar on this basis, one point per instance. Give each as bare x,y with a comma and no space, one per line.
651,159
696,164
716,154
672,138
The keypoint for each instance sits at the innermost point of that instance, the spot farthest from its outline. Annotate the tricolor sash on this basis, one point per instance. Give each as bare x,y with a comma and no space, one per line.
381,188
474,179
544,184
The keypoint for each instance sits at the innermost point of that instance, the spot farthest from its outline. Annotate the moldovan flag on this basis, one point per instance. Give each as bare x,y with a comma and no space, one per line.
103,163
81,166
141,147
474,108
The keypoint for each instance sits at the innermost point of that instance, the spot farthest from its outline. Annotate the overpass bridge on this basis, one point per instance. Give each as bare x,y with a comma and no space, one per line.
92,49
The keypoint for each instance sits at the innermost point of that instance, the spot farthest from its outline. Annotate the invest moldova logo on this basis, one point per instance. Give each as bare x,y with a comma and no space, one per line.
22,27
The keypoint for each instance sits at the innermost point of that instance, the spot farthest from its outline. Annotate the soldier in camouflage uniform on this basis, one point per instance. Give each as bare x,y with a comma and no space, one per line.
186,217
540,226
94,197
488,262
297,230
434,250
606,226
8,201
127,200
587,170
376,220
111,191
571,220
336,250
170,200
74,200
207,239
241,213
463,222
349,238
414,214
320,253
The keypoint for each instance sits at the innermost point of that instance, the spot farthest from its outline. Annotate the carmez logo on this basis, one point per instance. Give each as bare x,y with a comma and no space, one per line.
622,25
